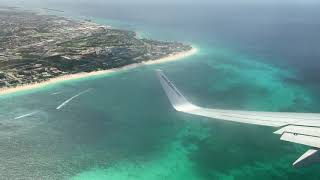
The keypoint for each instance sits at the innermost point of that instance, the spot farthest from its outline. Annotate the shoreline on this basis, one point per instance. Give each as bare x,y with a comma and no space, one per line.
69,77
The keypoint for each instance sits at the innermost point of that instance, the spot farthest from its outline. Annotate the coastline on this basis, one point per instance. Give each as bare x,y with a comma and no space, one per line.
178,56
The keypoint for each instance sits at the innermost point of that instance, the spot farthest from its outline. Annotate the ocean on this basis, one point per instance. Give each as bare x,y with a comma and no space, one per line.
261,57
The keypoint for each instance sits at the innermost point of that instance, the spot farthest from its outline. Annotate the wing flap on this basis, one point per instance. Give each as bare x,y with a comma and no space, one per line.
312,141
309,131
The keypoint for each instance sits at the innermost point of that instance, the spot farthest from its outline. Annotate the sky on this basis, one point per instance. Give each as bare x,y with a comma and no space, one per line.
3,2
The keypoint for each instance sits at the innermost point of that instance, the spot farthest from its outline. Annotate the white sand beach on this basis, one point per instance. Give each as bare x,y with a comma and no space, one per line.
178,56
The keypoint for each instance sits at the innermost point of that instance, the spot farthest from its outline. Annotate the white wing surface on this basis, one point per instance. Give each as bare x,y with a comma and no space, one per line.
301,128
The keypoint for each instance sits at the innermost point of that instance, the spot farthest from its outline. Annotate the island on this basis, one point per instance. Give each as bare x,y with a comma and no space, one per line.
36,48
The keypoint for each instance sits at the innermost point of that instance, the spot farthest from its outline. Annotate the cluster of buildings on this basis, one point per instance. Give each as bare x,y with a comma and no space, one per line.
35,48
27,74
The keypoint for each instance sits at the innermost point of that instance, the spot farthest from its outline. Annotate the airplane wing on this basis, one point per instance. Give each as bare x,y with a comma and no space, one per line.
301,128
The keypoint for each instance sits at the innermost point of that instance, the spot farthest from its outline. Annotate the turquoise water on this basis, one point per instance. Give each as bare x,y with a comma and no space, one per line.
125,127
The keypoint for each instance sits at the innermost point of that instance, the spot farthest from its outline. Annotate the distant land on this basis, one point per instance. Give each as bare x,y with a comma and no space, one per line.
40,48
56,10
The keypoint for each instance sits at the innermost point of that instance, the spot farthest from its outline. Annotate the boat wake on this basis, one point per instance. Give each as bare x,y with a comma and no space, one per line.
56,93
73,97
26,115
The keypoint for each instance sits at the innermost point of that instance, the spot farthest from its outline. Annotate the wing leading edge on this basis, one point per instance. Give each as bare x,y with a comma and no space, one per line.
301,128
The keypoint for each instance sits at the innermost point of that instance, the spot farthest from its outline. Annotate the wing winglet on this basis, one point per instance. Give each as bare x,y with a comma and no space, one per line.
178,101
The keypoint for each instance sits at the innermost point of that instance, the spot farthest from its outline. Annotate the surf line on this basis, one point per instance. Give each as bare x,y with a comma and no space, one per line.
70,99
26,115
